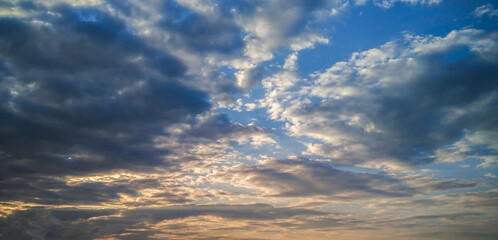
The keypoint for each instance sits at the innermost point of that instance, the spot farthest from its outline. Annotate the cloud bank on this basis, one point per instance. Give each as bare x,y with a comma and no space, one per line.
265,119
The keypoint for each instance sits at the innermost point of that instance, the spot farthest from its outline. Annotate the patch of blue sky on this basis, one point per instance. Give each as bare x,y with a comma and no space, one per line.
256,116
286,146
365,27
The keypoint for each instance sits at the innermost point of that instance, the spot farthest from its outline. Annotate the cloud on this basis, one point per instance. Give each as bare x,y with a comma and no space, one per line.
90,94
390,3
210,138
87,95
239,35
452,216
478,201
397,104
248,77
238,211
266,27
110,189
490,175
299,177
200,32
82,94
430,185
83,224
38,223
304,178
56,192
274,24
486,10
477,145
116,122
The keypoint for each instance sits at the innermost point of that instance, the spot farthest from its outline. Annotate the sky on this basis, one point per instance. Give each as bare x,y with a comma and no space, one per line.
248,119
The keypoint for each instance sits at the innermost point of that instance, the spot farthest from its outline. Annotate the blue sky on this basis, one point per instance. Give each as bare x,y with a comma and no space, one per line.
265,119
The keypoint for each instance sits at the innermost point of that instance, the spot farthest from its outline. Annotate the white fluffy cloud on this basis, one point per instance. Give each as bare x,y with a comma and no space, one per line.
403,103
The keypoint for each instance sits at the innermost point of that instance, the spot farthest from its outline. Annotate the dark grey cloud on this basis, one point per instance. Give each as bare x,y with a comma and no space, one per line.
474,200
218,126
303,177
249,77
448,216
50,191
477,201
423,103
201,33
40,223
236,211
412,117
434,185
79,39
81,93
71,223
300,177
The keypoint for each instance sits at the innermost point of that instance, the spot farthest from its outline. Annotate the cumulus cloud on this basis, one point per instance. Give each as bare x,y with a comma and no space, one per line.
275,24
82,93
200,32
90,94
86,95
399,103
247,78
116,123
268,26
239,35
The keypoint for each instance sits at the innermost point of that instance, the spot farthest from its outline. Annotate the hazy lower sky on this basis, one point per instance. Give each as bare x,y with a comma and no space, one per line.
248,119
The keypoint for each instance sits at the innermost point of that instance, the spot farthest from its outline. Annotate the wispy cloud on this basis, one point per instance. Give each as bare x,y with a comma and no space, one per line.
486,11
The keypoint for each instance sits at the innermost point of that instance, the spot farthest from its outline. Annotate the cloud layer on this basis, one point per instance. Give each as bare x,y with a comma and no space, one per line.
220,119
